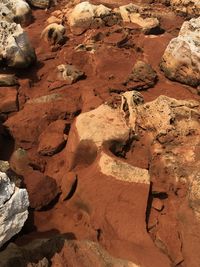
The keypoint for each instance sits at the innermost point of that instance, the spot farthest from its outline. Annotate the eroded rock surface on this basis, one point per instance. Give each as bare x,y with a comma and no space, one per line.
15,49
14,208
190,7
181,60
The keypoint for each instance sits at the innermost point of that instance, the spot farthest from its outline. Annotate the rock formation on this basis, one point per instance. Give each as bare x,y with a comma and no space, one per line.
13,205
180,61
110,174
188,7
15,47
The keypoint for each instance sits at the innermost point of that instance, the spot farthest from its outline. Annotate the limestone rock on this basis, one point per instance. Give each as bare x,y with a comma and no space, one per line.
54,33
16,48
122,171
143,76
134,13
69,73
52,141
189,7
111,125
181,59
15,11
13,206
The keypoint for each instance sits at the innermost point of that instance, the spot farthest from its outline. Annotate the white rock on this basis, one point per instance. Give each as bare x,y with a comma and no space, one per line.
122,171
13,208
15,45
19,9
181,59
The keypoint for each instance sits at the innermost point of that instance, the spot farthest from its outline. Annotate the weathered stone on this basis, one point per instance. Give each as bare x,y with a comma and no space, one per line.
181,60
123,171
15,45
69,73
18,11
13,207
189,7
134,14
54,33
142,77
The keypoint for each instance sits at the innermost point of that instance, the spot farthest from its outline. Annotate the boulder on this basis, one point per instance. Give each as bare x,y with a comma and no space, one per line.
111,125
15,11
181,59
16,49
142,77
14,208
188,7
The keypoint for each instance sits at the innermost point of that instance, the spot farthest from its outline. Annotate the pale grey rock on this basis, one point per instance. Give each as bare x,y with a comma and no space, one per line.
13,208
15,46
181,59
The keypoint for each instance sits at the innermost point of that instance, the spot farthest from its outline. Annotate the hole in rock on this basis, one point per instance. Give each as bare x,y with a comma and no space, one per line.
160,195
73,189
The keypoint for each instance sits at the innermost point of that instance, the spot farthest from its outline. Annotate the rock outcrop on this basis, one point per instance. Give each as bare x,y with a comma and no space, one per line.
181,59
15,49
13,207
137,15
188,7
15,11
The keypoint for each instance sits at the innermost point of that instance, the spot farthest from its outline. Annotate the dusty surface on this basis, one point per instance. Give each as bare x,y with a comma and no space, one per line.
148,224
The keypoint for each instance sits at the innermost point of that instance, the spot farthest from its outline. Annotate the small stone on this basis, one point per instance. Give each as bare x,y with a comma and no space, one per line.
157,204
69,73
